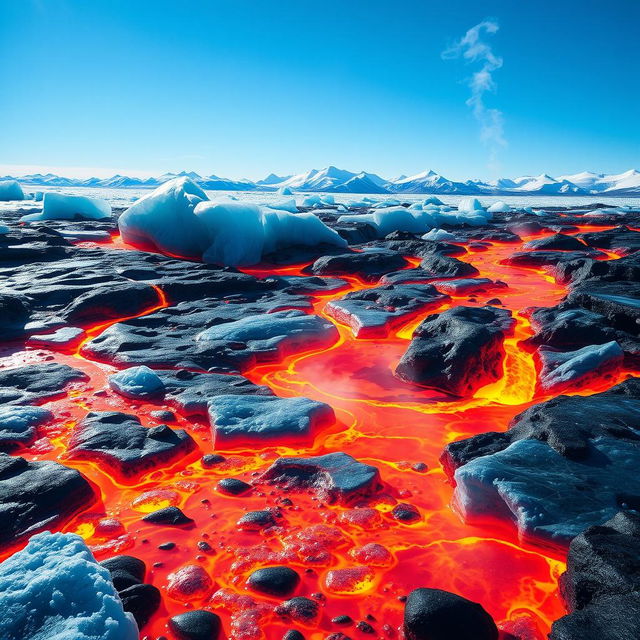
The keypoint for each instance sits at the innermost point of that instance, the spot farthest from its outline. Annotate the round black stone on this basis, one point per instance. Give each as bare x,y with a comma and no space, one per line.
168,515
196,625
233,486
274,581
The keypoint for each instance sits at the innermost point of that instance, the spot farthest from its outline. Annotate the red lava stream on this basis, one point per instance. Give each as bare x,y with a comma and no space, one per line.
382,421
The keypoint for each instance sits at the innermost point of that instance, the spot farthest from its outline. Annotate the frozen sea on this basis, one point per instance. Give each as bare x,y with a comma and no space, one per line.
121,198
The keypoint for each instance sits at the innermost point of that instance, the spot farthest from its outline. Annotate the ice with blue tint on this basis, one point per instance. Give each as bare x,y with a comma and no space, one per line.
136,382
284,205
439,235
53,589
469,205
10,190
60,206
179,219
499,207
285,191
4,229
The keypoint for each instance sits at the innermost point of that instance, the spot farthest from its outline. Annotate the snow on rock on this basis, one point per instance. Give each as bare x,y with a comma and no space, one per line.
136,382
561,369
178,219
18,425
280,333
10,190
439,235
255,419
499,207
63,337
60,206
54,589
522,484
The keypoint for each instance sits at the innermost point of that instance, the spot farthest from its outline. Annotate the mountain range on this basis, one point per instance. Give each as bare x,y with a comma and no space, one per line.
334,180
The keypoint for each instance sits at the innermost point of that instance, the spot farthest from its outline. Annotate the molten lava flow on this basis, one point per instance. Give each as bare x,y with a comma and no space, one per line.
360,561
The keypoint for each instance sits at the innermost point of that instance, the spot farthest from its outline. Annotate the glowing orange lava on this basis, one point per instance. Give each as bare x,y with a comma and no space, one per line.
382,421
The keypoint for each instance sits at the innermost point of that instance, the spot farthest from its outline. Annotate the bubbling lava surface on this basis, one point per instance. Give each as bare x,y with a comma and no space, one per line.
381,421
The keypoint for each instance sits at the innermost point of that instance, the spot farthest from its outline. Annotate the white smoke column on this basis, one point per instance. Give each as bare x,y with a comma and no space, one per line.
472,48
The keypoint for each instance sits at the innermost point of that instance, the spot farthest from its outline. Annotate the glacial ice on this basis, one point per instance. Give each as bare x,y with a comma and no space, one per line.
4,229
55,590
61,206
10,190
178,219
439,235
283,205
499,207
136,382
469,205
285,191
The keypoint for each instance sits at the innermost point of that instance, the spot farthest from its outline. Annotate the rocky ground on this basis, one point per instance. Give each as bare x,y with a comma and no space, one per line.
429,439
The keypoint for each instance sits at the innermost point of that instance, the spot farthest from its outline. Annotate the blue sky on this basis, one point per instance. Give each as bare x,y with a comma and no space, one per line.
240,88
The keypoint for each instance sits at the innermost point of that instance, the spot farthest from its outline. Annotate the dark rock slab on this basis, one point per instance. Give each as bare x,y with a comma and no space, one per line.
576,271
335,477
38,495
602,583
37,382
122,443
247,419
198,624
447,267
172,516
619,239
432,614
457,351
540,258
374,312
467,286
367,265
14,315
556,242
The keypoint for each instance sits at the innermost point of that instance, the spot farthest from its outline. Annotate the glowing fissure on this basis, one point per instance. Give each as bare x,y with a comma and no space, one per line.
381,421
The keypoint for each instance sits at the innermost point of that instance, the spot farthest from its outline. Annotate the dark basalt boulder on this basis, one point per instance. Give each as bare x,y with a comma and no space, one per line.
233,486
117,300
432,614
14,315
419,248
121,442
278,581
374,312
300,609
556,242
447,266
566,423
575,272
335,477
457,351
172,516
619,239
37,382
198,624
38,495
368,265
602,583
540,258
140,599
257,520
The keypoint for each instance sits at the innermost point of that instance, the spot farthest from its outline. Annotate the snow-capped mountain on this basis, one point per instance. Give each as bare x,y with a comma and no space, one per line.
333,179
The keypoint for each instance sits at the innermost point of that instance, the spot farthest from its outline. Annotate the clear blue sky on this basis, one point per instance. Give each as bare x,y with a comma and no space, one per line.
241,88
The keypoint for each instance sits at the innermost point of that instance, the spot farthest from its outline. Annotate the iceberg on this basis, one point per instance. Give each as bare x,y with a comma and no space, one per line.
284,205
136,382
54,589
60,206
10,190
499,207
470,205
439,235
285,191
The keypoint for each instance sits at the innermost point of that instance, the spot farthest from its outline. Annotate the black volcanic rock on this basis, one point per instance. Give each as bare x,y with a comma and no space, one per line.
335,477
541,258
38,495
300,609
576,271
374,312
19,425
556,242
121,442
432,614
172,516
37,382
368,265
274,581
620,238
233,486
602,583
257,520
197,624
457,351
447,266
14,314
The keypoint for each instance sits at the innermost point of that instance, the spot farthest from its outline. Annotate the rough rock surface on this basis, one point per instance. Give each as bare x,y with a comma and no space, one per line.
457,351
121,442
602,583
335,477
541,258
242,420
432,614
374,312
18,425
36,495
447,266
367,265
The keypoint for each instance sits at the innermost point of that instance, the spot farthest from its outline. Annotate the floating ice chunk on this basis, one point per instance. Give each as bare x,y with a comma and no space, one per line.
561,369
341,208
432,200
242,419
164,220
4,229
499,207
54,589
284,205
392,202
10,190
469,205
285,191
439,235
136,382
60,206
327,199
311,201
